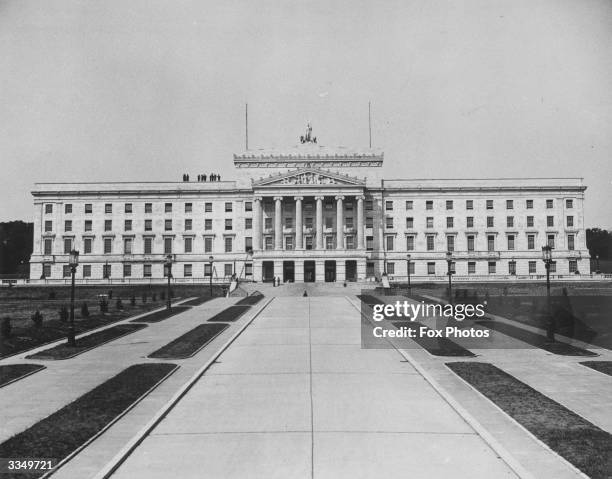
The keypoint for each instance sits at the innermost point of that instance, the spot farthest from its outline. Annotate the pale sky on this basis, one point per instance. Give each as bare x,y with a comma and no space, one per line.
148,89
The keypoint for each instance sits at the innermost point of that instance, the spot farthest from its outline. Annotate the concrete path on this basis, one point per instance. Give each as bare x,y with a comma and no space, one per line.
296,396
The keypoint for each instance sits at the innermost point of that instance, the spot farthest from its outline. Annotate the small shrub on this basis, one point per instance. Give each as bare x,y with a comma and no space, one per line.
103,306
5,327
119,304
63,314
133,300
84,310
37,317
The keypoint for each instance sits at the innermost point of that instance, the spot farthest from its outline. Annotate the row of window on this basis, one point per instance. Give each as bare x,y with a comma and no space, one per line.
471,267
469,204
148,225
469,222
148,207
147,270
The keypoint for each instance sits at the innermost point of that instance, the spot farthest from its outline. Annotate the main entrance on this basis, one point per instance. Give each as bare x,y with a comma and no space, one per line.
351,270
309,271
330,271
267,270
288,271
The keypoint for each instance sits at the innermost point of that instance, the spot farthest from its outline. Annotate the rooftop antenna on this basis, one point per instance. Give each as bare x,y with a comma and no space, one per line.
370,122
246,125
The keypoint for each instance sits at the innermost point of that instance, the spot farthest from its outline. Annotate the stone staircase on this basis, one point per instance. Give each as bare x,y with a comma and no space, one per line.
312,289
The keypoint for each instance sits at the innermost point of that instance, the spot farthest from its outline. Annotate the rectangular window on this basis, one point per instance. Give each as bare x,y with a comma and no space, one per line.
551,241
207,224
66,271
348,221
68,208
549,204
348,206
149,209
409,204
569,204
489,204
430,242
86,271
573,266
469,222
67,245
492,267
48,226
228,241
471,267
449,204
207,270
268,243
529,204
490,221
146,270
108,245
350,242
469,204
308,242
148,225
429,205
369,243
128,207
248,244
512,268
570,221
550,221
188,245
329,222
491,243
390,241
553,267
167,245
127,225
388,205
48,246
530,241
208,244
288,222
431,267
570,242
88,225
127,270
329,242
369,205
389,223
167,225
88,208
148,245
127,246
168,208
188,207
228,269
409,243
108,225
390,268
48,209
369,222
470,243
46,270
188,224
108,208
248,206
510,242
532,267
228,206
409,223
289,242
510,221
228,224
68,225
268,223
450,221
429,222
509,204
530,221
208,208
248,223
187,270
450,243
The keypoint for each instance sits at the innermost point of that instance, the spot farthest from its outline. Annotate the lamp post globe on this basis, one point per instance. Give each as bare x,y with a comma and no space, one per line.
73,262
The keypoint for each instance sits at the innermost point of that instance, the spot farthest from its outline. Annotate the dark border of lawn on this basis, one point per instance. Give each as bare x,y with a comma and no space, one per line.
86,343
229,314
571,436
189,343
197,301
436,346
604,367
9,373
63,433
157,316
534,339
250,300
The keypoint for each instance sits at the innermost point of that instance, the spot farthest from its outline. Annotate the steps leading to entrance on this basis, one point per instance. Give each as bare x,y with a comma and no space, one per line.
312,289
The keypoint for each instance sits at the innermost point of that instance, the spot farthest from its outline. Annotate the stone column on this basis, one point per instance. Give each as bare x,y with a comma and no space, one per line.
257,219
339,223
360,228
319,200
278,224
299,230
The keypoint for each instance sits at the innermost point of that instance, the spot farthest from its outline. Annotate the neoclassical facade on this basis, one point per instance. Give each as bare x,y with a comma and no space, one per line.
309,213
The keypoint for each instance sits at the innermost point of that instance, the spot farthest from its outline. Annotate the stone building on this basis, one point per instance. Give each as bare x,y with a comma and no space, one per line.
309,213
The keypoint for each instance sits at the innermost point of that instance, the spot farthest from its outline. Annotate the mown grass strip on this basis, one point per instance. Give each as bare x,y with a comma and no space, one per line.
197,301
601,366
571,436
230,314
536,340
91,341
189,343
158,316
63,432
250,300
435,346
9,373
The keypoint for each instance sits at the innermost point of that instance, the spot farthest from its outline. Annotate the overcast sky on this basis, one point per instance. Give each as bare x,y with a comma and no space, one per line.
146,90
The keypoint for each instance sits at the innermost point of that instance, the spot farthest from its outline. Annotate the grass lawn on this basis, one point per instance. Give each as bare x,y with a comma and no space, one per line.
577,440
189,343
19,303
61,433
229,314
601,366
158,316
63,351
13,372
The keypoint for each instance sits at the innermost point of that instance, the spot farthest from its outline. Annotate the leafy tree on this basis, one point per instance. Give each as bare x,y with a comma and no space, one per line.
16,243
599,242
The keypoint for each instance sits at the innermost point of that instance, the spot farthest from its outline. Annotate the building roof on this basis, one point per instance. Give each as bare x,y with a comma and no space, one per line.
311,151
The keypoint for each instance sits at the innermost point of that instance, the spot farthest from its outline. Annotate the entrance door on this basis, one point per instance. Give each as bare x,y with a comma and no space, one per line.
267,270
330,271
288,271
351,270
309,271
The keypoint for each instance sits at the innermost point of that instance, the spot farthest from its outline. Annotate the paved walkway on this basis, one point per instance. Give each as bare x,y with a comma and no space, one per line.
296,396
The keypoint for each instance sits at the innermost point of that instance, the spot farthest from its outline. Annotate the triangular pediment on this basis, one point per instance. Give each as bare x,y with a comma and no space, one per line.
309,177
